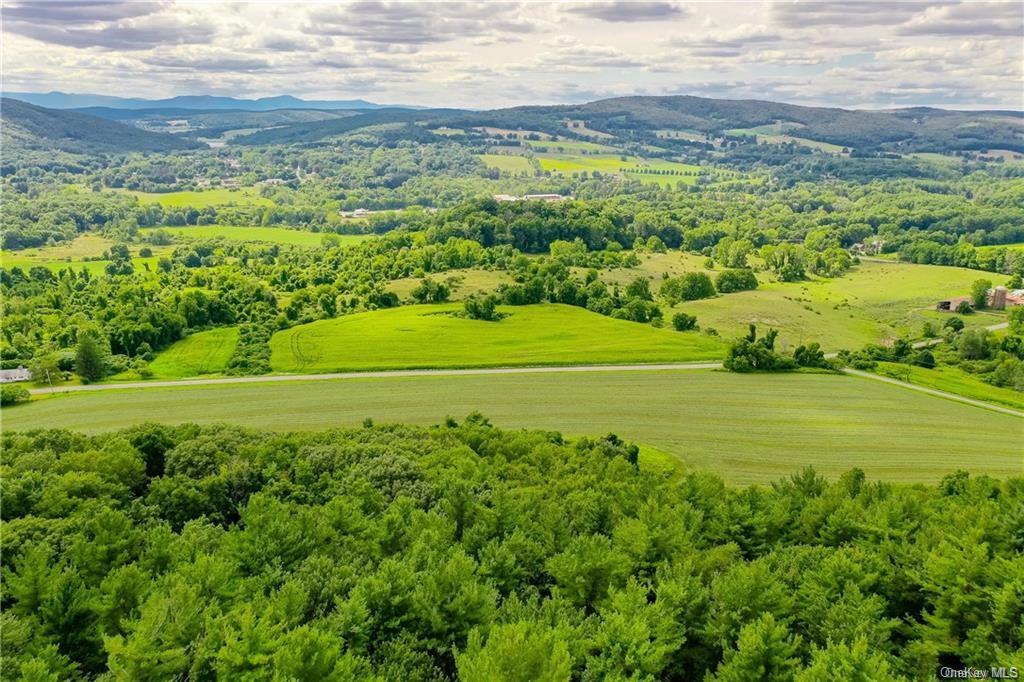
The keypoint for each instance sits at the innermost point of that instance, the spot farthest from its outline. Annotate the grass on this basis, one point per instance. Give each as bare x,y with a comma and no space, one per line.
203,198
873,302
430,336
468,281
200,353
74,255
953,380
508,162
275,235
570,146
748,428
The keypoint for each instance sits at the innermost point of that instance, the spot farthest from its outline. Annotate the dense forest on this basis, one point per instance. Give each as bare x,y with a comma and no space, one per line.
393,552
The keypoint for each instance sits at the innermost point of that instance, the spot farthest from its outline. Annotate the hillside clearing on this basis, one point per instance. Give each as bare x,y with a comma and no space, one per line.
426,336
274,235
203,198
748,428
205,352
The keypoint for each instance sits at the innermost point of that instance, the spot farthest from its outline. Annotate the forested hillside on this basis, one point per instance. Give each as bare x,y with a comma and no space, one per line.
34,128
393,552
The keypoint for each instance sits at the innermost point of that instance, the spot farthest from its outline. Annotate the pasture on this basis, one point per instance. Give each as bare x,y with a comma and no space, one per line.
953,380
425,336
84,252
747,428
465,282
241,233
203,198
205,352
508,162
872,302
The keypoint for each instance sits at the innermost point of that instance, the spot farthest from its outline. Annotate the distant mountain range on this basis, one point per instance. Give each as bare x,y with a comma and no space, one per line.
64,100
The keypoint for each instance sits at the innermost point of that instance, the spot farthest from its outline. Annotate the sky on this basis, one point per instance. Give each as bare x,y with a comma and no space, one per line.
855,54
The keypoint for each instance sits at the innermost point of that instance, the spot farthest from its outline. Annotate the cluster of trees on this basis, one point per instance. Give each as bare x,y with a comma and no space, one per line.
752,354
466,552
963,254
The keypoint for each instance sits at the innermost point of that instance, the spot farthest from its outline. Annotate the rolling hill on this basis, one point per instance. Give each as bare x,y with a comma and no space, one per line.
897,130
63,100
29,127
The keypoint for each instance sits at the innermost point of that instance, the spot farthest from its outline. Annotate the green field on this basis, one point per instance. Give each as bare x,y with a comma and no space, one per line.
873,302
275,235
748,428
73,255
430,336
953,380
467,281
570,146
200,353
203,198
508,162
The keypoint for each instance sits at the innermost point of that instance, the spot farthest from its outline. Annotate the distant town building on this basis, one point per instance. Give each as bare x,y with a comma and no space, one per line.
10,375
997,298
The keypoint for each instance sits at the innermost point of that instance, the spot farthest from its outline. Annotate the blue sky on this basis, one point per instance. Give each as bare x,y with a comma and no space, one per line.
853,54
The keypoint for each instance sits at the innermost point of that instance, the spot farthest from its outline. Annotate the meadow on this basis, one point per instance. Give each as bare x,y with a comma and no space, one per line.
205,352
203,198
508,162
465,282
953,380
241,233
747,428
83,252
425,336
872,302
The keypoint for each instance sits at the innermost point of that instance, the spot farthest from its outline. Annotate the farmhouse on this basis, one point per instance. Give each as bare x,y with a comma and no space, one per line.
10,375
358,213
998,298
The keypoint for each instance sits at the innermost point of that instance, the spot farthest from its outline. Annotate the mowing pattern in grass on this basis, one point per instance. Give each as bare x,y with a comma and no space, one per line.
430,336
276,235
201,353
953,380
204,198
748,428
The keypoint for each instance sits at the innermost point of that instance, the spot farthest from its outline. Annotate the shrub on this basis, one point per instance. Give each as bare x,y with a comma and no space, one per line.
682,322
742,279
924,358
12,393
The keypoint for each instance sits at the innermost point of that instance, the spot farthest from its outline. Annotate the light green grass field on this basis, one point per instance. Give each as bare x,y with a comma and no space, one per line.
570,146
72,254
632,167
200,353
953,380
275,235
748,428
204,198
468,281
873,302
507,162
430,336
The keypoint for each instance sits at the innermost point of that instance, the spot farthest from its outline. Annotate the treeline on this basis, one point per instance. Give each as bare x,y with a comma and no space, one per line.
462,551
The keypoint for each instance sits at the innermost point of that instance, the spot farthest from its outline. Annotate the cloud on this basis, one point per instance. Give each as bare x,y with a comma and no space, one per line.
628,10
794,14
212,62
106,25
390,23
586,57
974,19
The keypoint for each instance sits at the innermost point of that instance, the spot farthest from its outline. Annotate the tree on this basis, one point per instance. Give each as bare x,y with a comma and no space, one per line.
682,322
810,355
516,652
729,281
924,358
979,293
91,354
482,307
765,651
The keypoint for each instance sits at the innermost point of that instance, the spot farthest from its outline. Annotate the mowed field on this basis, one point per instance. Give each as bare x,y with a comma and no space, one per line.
203,198
748,428
426,336
241,233
200,353
953,380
